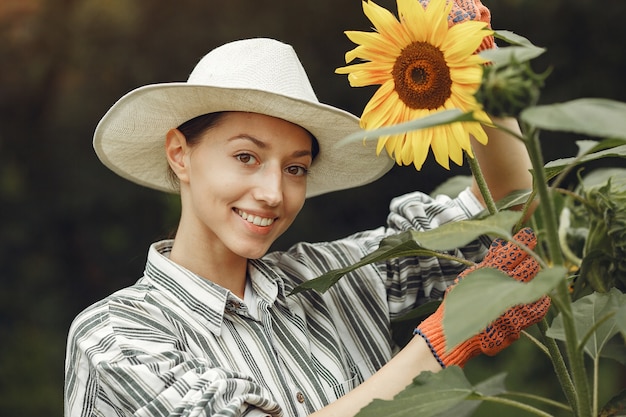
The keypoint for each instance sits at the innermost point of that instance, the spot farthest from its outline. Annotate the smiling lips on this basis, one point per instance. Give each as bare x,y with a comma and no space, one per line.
256,220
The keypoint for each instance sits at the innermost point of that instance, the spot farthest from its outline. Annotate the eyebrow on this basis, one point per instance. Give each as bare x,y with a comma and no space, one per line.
264,145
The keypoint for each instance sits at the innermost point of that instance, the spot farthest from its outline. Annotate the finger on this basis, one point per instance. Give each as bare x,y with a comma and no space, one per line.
507,255
526,270
534,312
526,237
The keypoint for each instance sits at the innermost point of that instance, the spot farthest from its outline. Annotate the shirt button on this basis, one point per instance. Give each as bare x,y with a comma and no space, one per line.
300,397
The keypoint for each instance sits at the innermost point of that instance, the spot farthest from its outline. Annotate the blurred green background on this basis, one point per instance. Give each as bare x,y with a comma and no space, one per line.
73,232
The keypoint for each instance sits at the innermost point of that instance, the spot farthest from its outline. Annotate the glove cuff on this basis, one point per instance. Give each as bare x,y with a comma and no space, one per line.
432,332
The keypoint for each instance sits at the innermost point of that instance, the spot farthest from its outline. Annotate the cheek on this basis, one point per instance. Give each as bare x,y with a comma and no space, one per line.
294,198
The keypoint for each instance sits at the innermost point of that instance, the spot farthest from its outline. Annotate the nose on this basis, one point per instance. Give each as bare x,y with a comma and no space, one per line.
269,186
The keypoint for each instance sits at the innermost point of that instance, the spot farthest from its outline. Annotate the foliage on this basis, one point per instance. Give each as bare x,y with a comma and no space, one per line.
583,235
72,232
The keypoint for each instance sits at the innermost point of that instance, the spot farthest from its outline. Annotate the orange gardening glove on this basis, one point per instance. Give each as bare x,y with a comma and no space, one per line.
463,10
506,329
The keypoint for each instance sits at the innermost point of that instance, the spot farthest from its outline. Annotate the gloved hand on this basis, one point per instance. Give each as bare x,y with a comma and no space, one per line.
513,261
463,10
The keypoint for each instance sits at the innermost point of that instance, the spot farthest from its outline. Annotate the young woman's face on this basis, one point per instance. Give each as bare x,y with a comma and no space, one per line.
246,182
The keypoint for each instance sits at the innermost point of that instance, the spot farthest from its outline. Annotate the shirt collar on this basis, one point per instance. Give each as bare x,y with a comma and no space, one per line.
204,297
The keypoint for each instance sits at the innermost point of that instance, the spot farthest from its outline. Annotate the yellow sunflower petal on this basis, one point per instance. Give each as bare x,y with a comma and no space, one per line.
376,112
380,145
372,46
483,117
477,131
463,99
400,144
458,142
407,149
437,13
464,38
469,75
421,144
465,62
413,17
390,146
367,73
440,146
395,59
385,22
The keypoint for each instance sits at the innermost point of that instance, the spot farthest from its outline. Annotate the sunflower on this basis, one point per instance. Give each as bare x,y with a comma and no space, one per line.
423,66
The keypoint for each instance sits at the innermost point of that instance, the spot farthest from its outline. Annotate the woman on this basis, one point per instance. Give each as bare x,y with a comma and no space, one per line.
210,329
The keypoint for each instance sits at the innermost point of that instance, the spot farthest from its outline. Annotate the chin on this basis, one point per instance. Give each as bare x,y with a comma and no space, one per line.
255,253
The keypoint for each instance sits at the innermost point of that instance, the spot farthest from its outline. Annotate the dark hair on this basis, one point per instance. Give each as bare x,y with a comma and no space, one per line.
193,129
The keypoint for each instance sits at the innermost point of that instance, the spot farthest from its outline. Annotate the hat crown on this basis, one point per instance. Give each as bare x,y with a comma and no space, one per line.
255,64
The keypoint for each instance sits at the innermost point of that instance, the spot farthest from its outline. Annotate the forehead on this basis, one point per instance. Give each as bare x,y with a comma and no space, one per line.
264,128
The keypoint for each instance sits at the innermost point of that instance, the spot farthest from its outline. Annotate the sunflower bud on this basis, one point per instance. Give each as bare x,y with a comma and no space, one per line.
604,262
507,90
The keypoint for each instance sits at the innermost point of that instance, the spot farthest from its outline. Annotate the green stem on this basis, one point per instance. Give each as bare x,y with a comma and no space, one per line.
564,226
546,205
482,185
558,363
561,297
526,209
596,366
539,399
517,404
536,342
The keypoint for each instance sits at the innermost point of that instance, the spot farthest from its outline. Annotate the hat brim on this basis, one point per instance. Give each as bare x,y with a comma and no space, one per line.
130,138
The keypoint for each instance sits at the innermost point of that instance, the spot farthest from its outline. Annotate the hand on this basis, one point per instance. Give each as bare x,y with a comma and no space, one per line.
513,261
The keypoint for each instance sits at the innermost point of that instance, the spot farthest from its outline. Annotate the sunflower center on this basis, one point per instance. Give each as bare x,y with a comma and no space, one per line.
422,77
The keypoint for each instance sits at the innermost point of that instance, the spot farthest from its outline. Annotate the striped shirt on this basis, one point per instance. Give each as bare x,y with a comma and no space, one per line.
175,344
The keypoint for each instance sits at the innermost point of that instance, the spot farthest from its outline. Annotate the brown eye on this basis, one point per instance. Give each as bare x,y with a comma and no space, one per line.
245,158
296,170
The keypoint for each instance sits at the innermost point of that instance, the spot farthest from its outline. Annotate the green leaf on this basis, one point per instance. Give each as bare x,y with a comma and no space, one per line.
522,50
501,57
437,119
392,247
490,387
423,310
439,394
603,311
554,168
620,320
600,176
596,117
513,38
429,394
411,243
590,146
614,349
513,199
615,407
486,293
453,186
456,234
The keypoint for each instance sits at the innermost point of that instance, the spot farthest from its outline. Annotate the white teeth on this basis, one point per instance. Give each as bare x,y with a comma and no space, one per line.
256,220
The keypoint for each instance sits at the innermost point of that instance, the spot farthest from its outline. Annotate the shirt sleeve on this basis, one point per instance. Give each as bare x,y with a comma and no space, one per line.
413,281
122,361
405,282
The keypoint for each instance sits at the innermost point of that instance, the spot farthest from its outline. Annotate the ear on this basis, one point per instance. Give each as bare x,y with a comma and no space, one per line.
176,151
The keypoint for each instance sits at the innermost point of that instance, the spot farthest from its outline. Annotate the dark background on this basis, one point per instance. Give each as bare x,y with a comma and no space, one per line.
72,232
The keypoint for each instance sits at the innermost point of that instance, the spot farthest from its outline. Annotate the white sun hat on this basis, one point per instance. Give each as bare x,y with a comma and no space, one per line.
253,75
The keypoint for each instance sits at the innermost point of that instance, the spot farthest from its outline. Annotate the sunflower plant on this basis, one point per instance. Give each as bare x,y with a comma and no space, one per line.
435,92
423,67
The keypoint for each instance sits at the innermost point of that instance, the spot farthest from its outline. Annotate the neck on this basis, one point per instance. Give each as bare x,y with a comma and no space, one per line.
220,267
